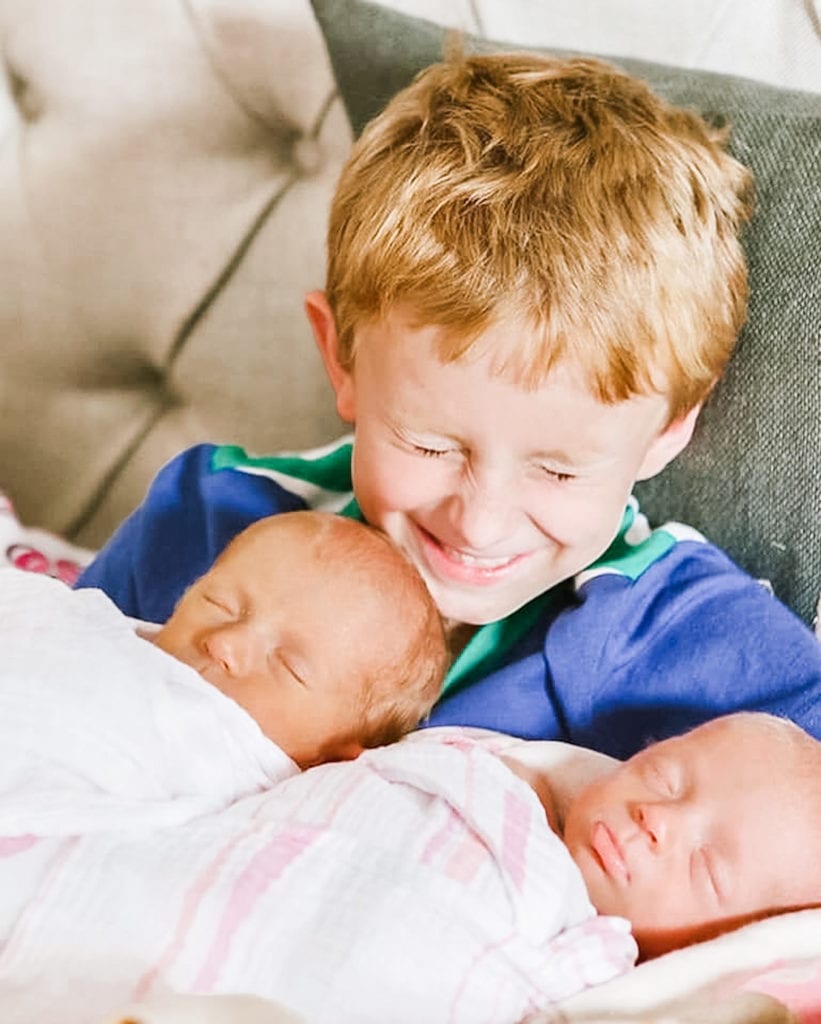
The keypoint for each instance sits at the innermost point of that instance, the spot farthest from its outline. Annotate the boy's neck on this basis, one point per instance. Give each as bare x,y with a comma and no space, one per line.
458,635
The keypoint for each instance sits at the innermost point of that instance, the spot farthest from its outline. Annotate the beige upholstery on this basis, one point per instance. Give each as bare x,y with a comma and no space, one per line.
166,168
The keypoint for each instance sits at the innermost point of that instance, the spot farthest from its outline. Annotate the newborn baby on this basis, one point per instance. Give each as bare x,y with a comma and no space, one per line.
697,834
310,639
320,628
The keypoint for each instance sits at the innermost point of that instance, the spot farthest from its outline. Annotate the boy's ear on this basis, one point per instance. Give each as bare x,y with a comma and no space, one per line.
669,443
324,328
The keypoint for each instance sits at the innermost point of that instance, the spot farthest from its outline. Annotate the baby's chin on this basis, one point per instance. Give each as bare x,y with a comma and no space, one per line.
656,941
160,638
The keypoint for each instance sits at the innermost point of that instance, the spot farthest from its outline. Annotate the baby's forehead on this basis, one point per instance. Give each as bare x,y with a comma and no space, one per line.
783,739
745,750
782,764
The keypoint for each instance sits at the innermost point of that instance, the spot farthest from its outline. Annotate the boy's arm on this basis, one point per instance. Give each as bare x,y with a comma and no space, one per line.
188,516
691,638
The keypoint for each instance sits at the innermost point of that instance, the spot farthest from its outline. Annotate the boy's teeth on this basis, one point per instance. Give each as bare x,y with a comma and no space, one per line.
466,559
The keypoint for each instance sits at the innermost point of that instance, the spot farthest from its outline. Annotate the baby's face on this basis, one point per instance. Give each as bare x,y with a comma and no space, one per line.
279,630
698,834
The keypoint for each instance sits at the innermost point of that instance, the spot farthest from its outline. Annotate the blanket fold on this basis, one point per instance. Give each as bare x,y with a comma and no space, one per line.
418,883
102,730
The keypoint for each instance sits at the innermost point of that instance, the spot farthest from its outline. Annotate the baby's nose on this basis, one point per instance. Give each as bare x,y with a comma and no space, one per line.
656,822
234,647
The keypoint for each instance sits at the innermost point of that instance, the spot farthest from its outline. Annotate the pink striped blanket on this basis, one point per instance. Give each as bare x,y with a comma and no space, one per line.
418,883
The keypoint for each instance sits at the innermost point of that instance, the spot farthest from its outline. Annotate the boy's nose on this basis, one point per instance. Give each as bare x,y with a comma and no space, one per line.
481,513
480,522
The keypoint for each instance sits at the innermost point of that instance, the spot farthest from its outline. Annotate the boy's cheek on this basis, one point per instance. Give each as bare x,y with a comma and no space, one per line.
578,520
401,481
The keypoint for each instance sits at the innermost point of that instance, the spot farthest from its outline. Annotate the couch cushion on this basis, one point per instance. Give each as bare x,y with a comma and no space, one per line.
751,477
159,159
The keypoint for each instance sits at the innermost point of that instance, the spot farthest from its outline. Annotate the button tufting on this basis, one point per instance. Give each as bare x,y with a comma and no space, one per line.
25,98
307,156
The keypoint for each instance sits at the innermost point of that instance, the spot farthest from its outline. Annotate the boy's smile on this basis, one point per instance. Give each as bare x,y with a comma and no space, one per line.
496,492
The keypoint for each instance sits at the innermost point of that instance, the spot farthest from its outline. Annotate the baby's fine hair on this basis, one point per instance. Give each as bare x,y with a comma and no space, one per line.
561,196
795,750
403,684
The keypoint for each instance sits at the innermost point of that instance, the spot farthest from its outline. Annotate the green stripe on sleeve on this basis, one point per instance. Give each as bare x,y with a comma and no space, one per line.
331,470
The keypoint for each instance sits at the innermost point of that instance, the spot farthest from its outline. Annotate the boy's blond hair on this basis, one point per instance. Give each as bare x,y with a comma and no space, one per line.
562,197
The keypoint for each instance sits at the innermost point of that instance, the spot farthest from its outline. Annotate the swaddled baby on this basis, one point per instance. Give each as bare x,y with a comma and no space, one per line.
310,639
425,881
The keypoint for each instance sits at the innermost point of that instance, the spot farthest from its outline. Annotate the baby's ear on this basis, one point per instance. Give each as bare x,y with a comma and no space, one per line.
669,443
322,321
349,751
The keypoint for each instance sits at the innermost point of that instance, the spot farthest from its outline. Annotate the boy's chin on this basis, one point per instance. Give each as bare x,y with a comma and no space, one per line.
461,609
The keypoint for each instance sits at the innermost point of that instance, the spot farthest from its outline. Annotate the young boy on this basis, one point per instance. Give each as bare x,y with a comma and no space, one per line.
317,628
534,281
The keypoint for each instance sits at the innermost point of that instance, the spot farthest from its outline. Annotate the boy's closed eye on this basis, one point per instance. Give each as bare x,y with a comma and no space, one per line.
425,444
557,475
429,452
431,447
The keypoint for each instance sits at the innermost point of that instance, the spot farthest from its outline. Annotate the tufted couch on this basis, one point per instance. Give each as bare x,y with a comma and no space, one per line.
166,170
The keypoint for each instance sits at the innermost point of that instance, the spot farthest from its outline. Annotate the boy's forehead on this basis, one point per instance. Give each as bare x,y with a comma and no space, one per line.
401,384
517,348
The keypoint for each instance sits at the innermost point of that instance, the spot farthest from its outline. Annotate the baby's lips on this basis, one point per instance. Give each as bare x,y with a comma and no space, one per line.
609,853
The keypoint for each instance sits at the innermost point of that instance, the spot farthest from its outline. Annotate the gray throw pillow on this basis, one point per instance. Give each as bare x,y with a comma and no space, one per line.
751,478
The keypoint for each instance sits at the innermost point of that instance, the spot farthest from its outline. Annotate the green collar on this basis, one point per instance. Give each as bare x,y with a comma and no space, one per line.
486,649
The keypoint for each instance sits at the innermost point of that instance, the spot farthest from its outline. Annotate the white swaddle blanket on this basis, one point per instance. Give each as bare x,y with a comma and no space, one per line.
100,729
418,883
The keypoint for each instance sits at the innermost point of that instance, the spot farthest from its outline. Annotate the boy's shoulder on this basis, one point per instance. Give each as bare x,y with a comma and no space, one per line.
638,546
